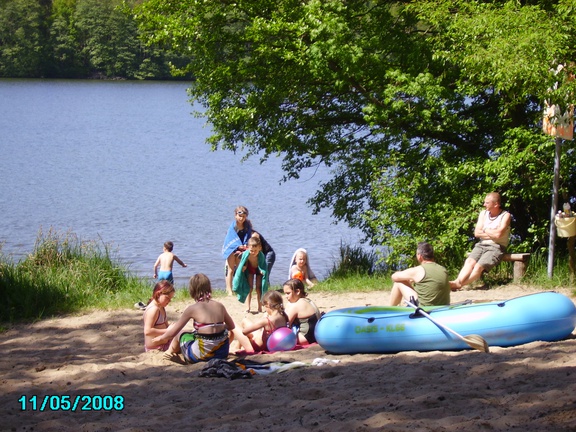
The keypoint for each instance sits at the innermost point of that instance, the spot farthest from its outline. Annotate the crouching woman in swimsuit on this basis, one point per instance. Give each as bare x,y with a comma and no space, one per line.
211,323
302,312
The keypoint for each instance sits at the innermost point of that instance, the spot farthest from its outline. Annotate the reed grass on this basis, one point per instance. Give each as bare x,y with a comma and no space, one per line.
65,275
356,269
354,260
537,272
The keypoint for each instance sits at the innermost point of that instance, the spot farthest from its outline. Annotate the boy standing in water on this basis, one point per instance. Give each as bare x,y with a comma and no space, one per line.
166,261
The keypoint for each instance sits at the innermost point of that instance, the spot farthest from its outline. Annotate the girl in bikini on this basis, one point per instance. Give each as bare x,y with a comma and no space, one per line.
155,319
211,325
258,332
302,312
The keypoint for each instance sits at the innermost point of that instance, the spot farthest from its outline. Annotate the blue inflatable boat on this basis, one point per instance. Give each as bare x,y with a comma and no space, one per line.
545,316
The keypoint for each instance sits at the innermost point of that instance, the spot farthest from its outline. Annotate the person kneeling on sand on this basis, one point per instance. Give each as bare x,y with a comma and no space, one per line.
426,284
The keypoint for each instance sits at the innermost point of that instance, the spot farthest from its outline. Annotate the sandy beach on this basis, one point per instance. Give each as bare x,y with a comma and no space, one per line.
529,387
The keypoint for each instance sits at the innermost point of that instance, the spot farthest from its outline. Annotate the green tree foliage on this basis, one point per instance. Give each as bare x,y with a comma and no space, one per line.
22,30
107,37
420,107
66,50
78,39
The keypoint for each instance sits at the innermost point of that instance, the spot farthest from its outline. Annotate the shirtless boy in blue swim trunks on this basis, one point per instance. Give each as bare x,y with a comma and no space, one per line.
166,262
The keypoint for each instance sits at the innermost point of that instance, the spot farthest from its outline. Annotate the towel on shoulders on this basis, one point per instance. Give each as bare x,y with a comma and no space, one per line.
309,271
232,241
240,282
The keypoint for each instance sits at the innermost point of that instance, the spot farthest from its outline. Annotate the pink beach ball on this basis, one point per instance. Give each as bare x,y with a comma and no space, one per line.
281,339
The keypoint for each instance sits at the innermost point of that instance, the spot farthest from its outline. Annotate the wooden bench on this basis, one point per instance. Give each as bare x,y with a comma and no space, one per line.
520,261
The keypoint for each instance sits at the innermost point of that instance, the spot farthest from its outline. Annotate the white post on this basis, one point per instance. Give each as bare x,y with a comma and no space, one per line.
554,210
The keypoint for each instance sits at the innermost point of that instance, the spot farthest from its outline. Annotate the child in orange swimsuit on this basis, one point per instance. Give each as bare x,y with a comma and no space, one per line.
155,319
300,268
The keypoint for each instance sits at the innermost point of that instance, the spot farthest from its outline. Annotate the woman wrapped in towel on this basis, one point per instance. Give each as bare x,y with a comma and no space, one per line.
239,231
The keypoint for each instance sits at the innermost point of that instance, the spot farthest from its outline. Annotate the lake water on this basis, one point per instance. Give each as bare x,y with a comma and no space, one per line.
125,163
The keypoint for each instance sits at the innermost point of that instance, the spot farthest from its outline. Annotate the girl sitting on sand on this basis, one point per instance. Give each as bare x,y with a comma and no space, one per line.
211,323
155,319
258,332
302,312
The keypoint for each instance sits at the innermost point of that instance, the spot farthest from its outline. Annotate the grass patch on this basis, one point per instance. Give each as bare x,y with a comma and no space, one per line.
356,269
65,275
537,272
355,283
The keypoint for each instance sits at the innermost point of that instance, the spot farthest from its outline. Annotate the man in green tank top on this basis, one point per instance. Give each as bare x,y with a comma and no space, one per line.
426,283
